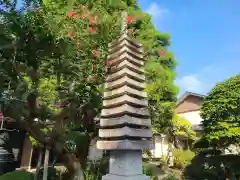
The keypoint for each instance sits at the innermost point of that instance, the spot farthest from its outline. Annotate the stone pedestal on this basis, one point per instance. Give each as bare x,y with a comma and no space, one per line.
125,165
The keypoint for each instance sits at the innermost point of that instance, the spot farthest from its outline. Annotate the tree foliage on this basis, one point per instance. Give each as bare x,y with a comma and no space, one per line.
183,127
221,113
53,65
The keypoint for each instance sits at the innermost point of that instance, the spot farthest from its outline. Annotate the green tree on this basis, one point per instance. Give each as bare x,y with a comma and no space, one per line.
183,127
221,113
54,52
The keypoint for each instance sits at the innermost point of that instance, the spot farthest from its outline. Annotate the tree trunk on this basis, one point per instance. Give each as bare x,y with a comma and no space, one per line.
74,167
78,174
175,142
39,163
46,159
76,164
170,160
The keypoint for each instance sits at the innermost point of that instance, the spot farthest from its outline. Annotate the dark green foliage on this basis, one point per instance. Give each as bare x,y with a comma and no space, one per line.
148,171
53,174
221,121
221,113
95,170
208,166
170,177
17,175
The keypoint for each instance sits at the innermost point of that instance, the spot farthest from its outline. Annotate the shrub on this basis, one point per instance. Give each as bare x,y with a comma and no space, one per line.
170,177
182,158
147,170
53,174
17,175
96,169
205,165
147,153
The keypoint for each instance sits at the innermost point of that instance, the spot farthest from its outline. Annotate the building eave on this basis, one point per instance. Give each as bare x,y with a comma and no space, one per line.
186,94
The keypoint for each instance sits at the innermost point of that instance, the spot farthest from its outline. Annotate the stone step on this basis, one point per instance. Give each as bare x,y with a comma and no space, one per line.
125,144
125,72
123,120
125,131
127,50
123,110
125,99
124,81
124,90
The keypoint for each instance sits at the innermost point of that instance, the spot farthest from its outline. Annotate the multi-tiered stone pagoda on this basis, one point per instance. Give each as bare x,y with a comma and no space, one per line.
125,126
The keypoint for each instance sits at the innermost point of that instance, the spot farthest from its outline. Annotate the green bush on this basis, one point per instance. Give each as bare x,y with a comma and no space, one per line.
147,170
53,174
95,170
207,165
182,158
163,160
17,175
170,177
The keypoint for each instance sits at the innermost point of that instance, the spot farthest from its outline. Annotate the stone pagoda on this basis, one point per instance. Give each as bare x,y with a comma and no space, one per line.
125,126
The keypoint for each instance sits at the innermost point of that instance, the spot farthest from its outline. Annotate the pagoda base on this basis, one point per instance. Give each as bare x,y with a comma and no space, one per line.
125,165
116,177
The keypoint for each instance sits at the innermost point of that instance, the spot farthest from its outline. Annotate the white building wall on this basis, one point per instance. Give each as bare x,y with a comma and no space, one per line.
193,117
161,147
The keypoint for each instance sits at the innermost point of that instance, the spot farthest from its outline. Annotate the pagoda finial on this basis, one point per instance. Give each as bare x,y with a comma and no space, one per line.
124,22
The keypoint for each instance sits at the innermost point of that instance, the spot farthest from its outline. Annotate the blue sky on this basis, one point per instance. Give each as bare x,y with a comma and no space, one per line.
205,37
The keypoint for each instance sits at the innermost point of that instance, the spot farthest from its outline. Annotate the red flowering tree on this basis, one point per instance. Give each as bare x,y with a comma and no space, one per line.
56,53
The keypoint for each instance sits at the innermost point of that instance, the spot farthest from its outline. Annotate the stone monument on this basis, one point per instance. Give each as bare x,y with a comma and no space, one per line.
125,126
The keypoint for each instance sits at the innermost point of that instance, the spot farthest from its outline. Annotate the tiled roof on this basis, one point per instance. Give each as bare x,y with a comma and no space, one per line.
186,94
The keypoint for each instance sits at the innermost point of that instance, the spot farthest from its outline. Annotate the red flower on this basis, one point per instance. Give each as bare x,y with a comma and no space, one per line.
130,19
105,62
34,102
96,52
91,30
70,34
93,20
1,116
59,105
71,13
161,53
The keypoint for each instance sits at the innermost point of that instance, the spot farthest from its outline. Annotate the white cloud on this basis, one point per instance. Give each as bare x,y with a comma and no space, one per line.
190,83
156,11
